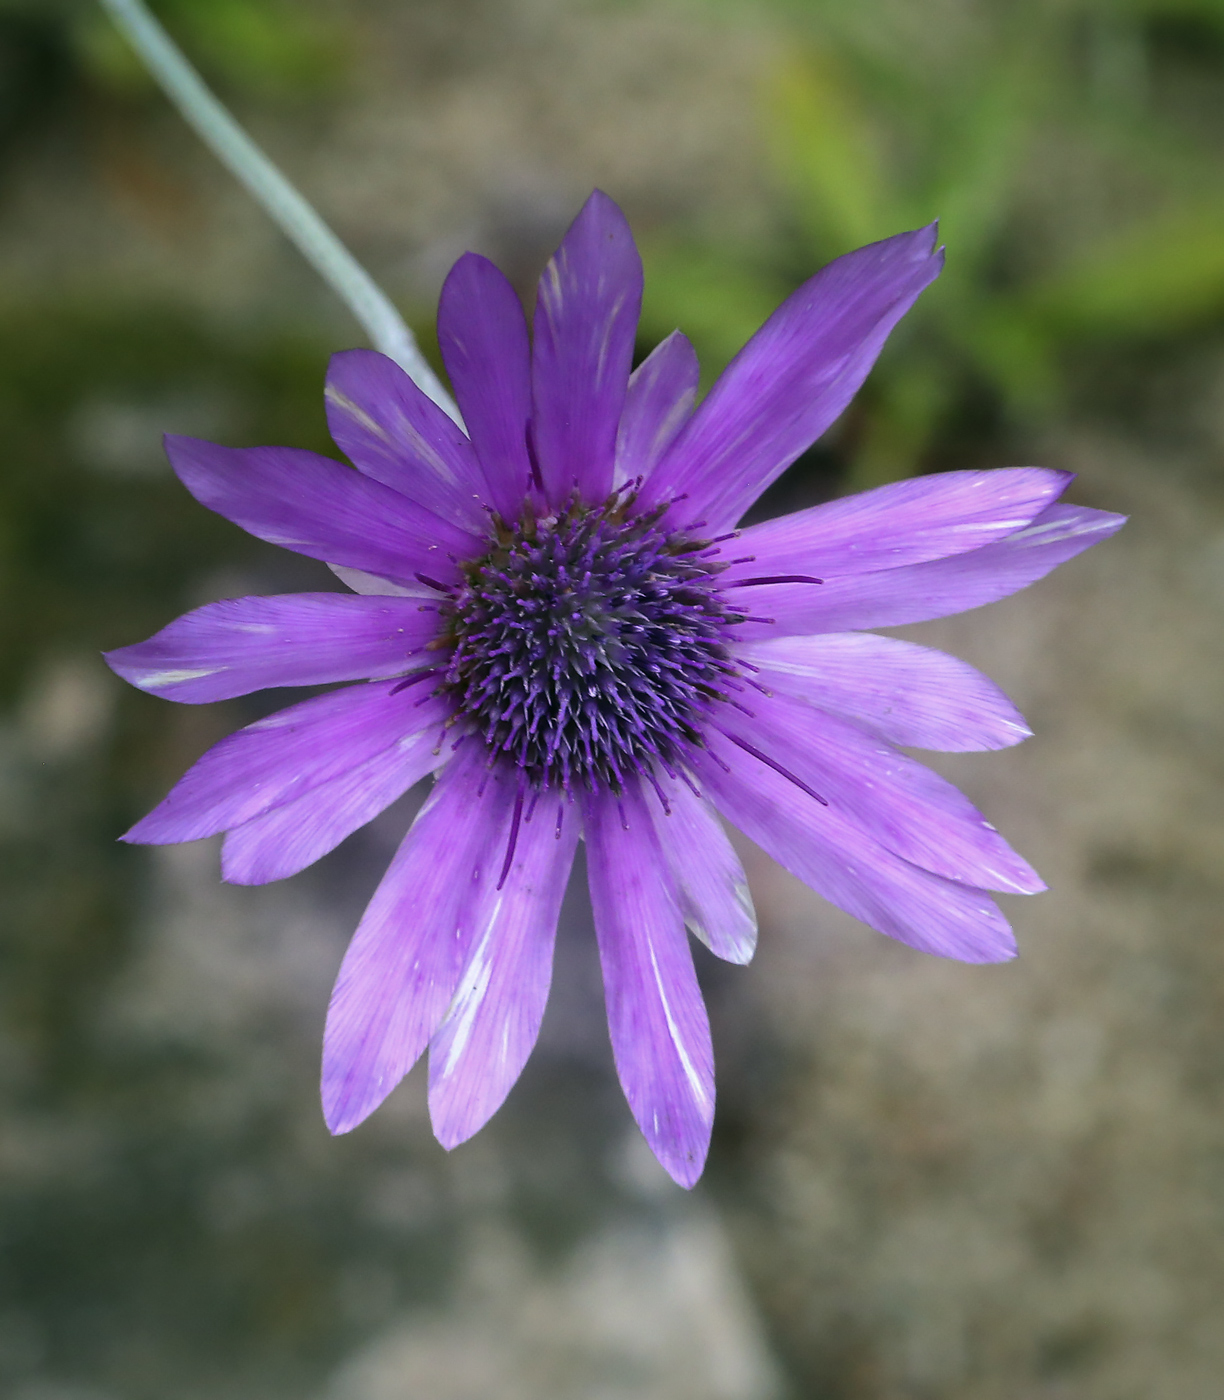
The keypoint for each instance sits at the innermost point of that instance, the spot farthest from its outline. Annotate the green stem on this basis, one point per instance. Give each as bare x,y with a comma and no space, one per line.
295,217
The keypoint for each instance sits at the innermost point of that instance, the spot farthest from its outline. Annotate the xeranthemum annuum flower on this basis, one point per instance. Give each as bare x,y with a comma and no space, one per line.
555,615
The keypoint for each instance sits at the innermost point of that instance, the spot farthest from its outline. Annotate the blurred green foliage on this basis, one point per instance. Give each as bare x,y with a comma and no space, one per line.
1073,151
268,47
264,48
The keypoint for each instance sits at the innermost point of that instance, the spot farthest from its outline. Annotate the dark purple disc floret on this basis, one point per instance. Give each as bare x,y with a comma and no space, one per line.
588,644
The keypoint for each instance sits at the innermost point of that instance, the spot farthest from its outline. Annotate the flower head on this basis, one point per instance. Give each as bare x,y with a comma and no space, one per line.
555,614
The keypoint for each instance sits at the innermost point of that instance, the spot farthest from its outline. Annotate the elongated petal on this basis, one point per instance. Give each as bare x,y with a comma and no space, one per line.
315,506
482,334
245,644
898,801
839,860
661,394
585,320
713,889
285,756
905,693
394,433
657,1019
792,379
934,589
290,837
479,1050
906,522
403,966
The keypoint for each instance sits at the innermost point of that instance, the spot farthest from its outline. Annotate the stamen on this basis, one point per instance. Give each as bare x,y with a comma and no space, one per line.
537,480
775,578
777,767
513,842
413,677
659,793
431,582
689,783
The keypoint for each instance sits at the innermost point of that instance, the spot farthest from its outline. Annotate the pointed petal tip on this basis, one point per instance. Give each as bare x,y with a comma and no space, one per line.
601,209
232,875
600,199
468,262
1000,947
144,833
1024,881
344,1110
338,1124
450,1130
684,1168
180,445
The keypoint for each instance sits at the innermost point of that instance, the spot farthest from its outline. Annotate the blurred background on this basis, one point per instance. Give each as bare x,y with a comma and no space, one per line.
928,1181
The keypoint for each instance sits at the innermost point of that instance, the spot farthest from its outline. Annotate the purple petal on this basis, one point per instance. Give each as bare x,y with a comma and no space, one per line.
934,589
660,399
317,507
245,644
482,333
792,379
403,965
395,434
281,758
660,1033
585,320
907,808
906,522
713,889
297,833
839,860
906,694
479,1050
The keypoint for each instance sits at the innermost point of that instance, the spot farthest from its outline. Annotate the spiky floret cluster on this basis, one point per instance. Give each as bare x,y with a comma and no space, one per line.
587,643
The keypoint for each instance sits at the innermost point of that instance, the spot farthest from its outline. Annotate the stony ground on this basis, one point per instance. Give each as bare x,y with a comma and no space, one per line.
1004,1181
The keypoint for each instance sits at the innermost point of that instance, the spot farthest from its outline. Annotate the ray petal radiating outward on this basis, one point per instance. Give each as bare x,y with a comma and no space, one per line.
938,588
843,862
243,644
907,694
317,507
792,380
905,522
404,963
585,321
295,834
662,391
900,802
490,1028
713,889
285,756
393,433
482,334
660,1032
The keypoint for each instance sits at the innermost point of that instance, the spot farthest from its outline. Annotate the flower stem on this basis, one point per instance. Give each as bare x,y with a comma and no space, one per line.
295,217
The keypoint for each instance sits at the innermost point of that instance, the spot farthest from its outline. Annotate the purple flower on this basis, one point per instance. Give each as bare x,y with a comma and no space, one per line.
555,614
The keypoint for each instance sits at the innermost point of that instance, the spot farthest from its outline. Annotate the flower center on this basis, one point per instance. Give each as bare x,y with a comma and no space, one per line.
588,644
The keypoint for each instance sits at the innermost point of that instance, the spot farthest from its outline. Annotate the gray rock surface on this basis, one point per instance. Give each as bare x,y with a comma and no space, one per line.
1003,1182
